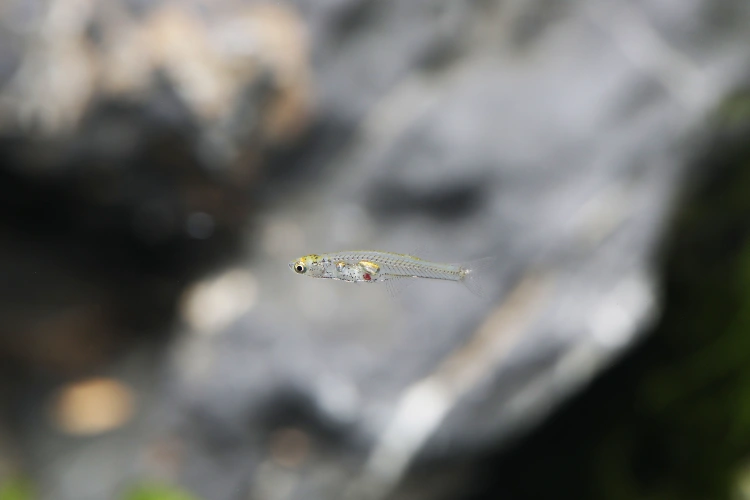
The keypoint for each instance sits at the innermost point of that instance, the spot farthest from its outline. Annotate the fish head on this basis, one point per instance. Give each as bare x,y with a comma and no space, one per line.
309,265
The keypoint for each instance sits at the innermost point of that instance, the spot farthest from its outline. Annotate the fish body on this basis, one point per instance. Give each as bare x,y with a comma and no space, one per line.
370,266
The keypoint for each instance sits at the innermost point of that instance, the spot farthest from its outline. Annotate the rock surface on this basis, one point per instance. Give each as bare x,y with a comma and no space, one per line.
139,142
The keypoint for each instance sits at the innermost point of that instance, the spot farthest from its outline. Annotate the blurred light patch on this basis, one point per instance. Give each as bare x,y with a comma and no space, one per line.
631,302
289,447
93,406
600,217
742,485
338,398
212,304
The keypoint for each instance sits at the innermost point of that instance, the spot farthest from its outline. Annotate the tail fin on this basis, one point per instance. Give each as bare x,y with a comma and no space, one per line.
481,276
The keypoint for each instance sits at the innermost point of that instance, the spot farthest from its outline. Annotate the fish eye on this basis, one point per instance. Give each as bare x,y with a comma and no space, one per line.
300,268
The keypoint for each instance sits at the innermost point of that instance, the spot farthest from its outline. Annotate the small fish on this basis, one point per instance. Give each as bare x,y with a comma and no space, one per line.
369,266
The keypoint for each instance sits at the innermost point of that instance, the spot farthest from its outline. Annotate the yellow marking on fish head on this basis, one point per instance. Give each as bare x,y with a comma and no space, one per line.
309,265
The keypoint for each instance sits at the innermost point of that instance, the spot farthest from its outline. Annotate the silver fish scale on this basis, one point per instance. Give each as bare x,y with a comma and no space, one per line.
395,264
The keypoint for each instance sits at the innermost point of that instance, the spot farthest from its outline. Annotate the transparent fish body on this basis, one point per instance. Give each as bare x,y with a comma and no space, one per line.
369,266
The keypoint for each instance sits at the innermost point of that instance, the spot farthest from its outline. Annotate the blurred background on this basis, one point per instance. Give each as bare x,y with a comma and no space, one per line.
162,161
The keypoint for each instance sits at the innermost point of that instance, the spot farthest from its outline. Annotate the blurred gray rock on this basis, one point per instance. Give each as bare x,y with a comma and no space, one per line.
132,136
553,137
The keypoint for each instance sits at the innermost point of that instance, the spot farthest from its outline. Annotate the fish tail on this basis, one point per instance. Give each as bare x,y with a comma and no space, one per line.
481,276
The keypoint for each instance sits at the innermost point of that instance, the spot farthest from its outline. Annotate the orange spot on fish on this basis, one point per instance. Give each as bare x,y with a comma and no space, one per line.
367,276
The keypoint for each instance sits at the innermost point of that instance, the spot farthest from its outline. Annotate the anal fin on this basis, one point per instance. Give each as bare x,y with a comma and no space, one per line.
397,284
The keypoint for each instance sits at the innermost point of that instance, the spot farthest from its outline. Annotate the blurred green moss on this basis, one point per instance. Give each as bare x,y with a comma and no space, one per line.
734,110
21,489
16,489
157,492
